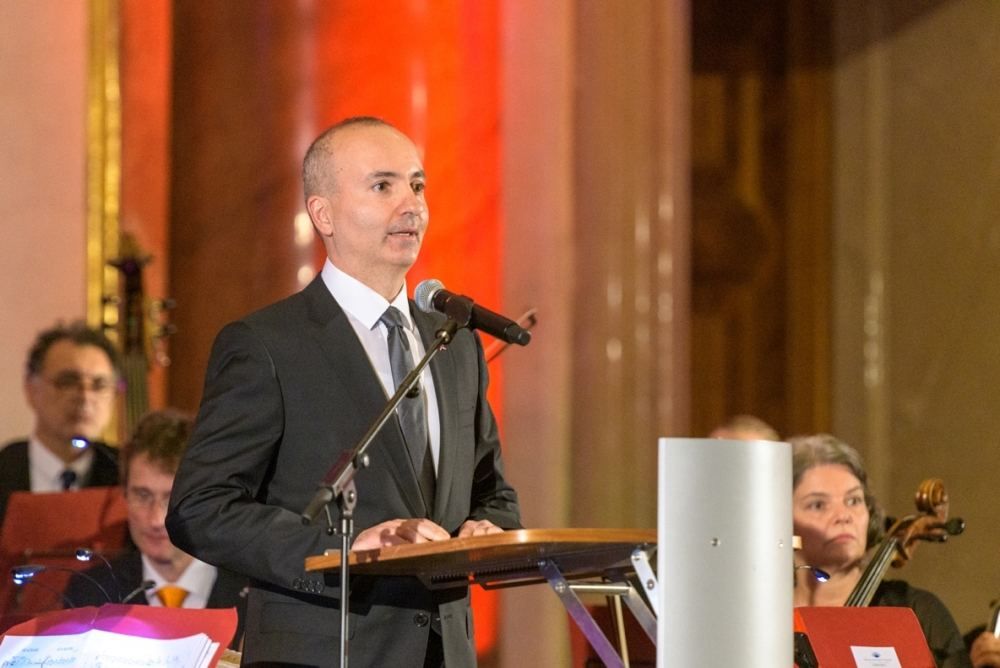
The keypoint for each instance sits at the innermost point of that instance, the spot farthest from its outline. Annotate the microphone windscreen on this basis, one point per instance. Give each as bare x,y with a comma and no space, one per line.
424,293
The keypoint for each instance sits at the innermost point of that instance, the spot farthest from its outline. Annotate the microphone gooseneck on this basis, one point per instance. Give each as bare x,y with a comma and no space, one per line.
26,573
86,554
144,586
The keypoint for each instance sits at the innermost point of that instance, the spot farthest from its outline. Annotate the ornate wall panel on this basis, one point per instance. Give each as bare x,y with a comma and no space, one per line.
760,148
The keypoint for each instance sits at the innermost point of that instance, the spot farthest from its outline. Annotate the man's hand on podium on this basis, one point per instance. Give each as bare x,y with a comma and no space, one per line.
478,528
399,532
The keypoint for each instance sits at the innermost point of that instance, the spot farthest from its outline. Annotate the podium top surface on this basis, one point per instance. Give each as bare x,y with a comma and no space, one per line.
507,558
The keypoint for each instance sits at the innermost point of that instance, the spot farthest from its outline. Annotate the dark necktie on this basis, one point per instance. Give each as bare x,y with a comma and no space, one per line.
67,477
411,413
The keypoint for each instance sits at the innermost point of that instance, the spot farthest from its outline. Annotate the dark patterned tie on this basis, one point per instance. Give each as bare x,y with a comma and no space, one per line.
411,413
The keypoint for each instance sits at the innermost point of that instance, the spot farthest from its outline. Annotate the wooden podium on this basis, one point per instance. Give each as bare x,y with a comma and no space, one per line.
572,561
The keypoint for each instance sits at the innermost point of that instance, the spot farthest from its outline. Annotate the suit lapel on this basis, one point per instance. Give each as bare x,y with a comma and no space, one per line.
445,376
335,336
16,474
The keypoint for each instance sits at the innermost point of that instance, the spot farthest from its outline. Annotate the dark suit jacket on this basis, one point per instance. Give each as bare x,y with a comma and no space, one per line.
287,390
227,592
15,473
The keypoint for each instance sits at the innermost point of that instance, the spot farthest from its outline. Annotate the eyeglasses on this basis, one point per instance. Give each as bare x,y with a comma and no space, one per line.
71,382
141,498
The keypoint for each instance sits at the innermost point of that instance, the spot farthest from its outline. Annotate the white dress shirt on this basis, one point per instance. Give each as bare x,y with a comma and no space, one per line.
45,469
364,307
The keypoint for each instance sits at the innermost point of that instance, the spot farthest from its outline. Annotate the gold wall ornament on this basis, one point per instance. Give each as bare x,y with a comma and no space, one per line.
103,163
103,173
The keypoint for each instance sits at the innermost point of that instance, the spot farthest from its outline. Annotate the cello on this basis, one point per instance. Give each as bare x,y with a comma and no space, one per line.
930,524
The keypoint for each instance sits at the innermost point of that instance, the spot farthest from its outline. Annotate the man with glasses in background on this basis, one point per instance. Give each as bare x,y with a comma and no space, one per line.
153,570
70,383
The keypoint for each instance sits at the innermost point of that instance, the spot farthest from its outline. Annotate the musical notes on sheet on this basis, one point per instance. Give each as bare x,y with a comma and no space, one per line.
103,649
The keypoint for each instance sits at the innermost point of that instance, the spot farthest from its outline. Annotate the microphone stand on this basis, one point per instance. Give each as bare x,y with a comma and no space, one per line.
339,481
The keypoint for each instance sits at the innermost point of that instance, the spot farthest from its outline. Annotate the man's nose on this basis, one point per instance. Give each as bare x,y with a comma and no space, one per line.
415,204
158,514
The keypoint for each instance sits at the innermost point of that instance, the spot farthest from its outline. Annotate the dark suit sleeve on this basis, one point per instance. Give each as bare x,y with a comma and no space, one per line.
493,498
218,510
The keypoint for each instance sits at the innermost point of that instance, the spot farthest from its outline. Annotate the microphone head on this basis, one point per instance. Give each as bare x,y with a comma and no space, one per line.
424,293
80,442
21,574
84,554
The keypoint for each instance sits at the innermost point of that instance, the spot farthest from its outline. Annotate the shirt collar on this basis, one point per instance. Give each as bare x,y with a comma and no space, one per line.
360,301
48,467
197,577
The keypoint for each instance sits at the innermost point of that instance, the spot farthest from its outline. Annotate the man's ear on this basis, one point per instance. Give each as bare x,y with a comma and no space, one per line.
319,212
32,390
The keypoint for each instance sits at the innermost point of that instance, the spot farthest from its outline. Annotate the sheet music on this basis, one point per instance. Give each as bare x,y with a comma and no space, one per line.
103,649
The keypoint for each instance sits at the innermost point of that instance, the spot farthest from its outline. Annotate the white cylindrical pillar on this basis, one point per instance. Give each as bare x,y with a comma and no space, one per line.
724,563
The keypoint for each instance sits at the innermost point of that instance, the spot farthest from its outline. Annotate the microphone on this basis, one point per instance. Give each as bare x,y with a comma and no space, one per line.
430,296
86,554
22,575
144,586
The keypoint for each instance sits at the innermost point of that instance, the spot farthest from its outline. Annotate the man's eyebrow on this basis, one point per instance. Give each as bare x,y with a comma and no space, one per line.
384,175
388,174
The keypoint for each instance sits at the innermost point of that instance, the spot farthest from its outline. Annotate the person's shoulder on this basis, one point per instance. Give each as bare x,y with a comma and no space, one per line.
314,301
13,450
105,450
894,593
104,470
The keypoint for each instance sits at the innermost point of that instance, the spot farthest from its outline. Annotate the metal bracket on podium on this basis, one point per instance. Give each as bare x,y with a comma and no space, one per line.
616,586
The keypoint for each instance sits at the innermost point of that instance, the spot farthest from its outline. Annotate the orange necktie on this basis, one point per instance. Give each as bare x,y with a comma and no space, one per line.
171,596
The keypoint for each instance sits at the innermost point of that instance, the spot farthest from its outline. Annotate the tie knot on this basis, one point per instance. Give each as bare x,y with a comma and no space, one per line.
171,596
392,318
67,478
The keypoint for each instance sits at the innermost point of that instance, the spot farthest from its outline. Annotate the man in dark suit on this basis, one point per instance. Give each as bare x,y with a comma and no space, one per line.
70,383
289,388
149,461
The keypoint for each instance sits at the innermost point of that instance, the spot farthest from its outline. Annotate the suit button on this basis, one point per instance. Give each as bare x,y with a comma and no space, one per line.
421,619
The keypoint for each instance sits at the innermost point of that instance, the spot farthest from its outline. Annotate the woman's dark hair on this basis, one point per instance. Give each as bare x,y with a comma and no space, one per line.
819,449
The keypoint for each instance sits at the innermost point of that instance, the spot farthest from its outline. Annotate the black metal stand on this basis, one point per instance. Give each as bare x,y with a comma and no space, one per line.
338,483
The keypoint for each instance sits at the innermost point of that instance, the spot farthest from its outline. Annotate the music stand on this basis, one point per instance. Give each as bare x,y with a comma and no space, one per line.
141,621
47,529
572,561
835,633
